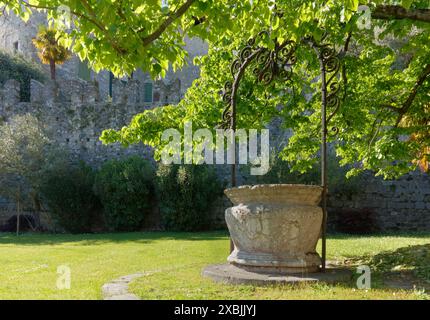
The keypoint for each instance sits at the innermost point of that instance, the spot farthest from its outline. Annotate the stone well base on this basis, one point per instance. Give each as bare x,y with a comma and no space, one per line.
228,273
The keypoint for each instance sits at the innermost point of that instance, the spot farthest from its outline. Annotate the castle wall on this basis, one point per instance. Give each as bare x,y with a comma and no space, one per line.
16,38
15,31
394,205
169,90
78,111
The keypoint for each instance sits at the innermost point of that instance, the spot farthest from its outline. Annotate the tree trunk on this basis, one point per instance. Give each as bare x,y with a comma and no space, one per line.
52,66
18,214
37,207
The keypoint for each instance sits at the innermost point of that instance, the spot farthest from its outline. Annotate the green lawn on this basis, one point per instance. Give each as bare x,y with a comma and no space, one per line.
173,264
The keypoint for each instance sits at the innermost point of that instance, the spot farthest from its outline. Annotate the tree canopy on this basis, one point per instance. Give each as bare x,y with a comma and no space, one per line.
384,120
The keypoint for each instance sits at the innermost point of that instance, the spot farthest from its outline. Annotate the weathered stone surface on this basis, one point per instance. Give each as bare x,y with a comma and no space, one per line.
77,111
118,289
231,274
11,92
275,227
402,204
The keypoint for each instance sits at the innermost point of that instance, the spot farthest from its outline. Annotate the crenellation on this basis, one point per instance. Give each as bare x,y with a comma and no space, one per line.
11,93
167,92
76,111
76,117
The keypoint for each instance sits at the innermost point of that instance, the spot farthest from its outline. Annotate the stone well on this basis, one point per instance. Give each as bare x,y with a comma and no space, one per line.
275,228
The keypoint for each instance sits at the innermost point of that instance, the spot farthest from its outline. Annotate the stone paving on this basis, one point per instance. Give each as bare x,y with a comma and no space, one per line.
118,289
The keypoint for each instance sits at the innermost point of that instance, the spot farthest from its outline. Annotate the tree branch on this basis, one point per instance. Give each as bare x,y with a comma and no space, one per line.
172,17
145,40
92,19
389,12
408,103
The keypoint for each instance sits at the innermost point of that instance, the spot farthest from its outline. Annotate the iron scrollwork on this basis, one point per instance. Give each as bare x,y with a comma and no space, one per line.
331,61
266,65
277,63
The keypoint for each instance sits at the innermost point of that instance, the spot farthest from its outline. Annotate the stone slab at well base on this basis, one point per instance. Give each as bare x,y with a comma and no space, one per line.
230,274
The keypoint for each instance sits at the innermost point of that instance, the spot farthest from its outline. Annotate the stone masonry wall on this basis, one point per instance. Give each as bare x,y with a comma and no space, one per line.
399,205
77,114
77,111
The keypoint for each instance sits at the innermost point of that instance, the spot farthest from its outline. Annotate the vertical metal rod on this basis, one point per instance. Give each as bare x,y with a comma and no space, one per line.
323,162
233,184
233,166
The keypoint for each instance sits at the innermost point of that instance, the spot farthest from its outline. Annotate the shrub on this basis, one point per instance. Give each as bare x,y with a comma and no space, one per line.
186,194
26,223
126,190
354,221
68,192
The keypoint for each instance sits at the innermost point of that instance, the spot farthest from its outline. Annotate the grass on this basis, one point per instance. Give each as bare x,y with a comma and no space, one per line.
173,264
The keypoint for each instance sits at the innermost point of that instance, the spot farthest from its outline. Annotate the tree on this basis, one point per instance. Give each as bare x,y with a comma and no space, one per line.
50,51
129,34
377,94
386,81
25,147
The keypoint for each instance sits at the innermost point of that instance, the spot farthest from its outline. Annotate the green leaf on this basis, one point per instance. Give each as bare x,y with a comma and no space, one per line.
407,4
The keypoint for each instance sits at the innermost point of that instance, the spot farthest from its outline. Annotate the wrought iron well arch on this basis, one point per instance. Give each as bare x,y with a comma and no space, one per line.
269,64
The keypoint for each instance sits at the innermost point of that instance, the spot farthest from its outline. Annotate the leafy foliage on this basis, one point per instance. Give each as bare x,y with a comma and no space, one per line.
386,80
68,192
126,190
377,95
50,51
186,194
25,149
17,68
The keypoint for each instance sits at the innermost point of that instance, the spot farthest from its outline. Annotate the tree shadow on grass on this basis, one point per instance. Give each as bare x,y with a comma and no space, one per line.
106,238
406,266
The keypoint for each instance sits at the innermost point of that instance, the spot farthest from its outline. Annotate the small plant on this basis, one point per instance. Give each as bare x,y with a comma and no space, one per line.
68,192
186,194
126,190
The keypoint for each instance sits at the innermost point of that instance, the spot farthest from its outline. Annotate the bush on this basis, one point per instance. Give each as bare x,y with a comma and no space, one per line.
126,190
354,221
68,192
21,70
186,194
26,223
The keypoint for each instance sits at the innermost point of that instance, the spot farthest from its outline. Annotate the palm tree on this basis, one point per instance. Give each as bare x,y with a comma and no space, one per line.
50,51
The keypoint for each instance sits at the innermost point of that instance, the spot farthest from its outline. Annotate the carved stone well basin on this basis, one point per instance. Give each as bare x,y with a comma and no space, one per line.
275,228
